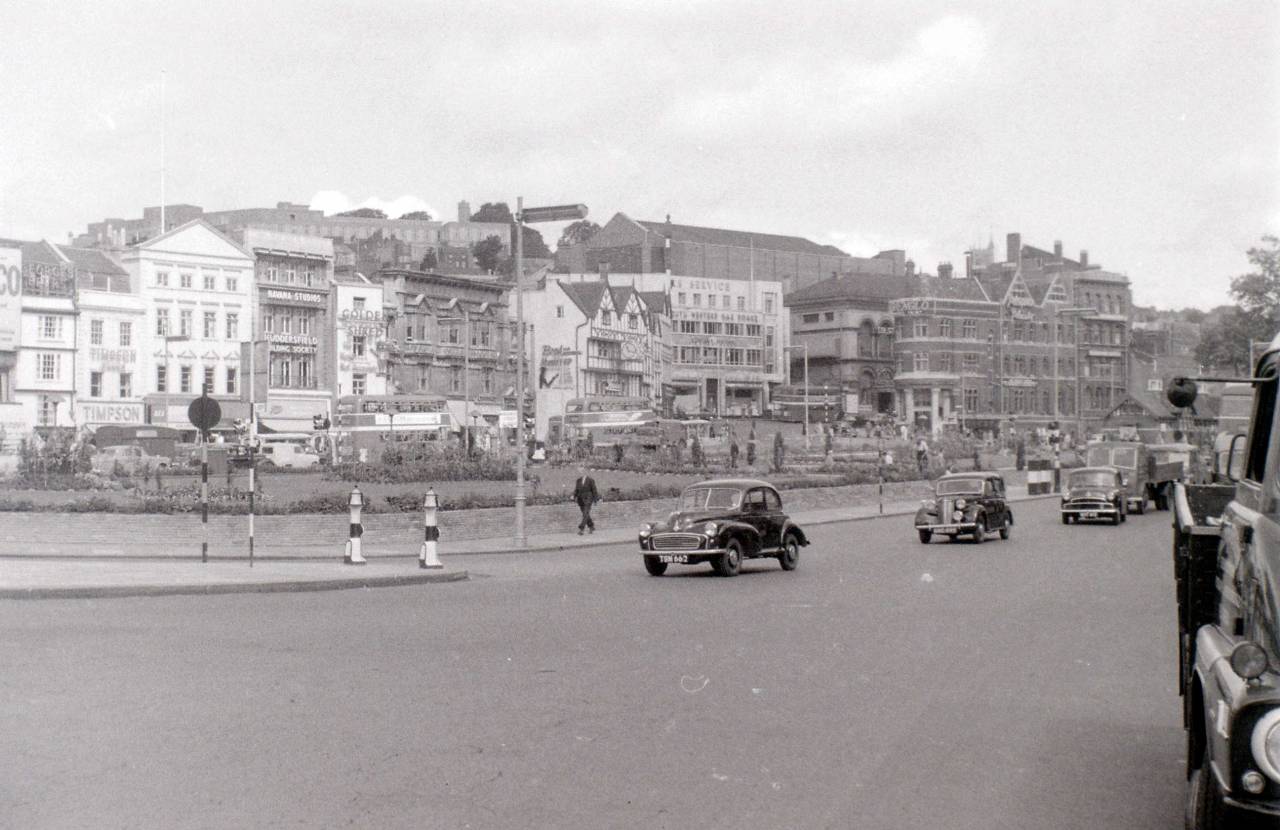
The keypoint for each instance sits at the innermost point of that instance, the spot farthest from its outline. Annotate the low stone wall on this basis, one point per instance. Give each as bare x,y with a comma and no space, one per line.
307,535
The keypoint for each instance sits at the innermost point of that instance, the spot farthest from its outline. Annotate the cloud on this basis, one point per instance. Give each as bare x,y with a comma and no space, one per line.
335,201
821,99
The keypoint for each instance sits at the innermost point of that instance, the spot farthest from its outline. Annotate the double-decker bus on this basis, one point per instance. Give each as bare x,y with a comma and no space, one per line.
608,420
365,425
825,405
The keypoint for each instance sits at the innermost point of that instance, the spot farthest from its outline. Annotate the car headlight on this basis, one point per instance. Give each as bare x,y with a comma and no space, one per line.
710,528
960,503
1248,660
1066,495
957,516
1266,744
646,530
929,504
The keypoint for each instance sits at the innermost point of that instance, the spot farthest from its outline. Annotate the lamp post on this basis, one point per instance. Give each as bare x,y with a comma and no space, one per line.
554,213
805,348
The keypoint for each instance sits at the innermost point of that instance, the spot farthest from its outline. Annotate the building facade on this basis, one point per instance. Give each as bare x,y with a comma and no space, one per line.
45,375
111,331
360,337
14,420
197,287
293,277
594,338
1055,347
626,245
451,336
843,328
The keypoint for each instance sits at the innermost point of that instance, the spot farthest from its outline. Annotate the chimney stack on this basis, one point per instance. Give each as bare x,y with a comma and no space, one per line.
968,263
1057,248
1084,258
1013,248
464,211
945,270
911,268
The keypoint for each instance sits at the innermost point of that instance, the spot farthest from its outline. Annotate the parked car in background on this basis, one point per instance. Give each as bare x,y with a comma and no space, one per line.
286,455
972,504
723,522
1094,493
129,459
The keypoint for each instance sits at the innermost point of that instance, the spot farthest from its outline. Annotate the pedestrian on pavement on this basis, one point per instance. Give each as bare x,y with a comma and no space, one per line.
733,453
922,455
586,495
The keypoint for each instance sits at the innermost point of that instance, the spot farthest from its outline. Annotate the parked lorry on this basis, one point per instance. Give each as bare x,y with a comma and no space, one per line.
1226,553
1149,470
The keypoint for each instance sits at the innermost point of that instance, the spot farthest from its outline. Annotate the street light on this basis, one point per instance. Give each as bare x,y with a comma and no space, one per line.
805,347
554,213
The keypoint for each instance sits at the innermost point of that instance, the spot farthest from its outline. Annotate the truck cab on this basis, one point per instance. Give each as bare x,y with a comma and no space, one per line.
1227,560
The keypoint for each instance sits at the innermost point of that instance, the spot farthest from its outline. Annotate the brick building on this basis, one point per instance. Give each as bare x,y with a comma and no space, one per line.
626,245
846,324
1036,338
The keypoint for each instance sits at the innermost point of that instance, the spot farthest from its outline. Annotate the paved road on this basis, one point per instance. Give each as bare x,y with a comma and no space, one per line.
1028,683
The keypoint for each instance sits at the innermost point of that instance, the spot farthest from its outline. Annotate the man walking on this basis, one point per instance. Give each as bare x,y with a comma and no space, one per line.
586,495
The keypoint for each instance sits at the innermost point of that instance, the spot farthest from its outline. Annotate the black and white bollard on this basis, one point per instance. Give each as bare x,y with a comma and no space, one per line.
356,503
428,558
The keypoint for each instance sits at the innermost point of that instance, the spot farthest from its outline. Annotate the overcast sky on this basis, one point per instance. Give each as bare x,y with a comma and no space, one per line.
1147,133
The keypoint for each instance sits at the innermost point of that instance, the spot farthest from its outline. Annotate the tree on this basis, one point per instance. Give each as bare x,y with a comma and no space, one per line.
364,213
429,260
420,215
1225,342
534,245
577,232
779,452
488,252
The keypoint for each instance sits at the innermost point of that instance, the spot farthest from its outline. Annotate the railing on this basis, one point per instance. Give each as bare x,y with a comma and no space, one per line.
295,383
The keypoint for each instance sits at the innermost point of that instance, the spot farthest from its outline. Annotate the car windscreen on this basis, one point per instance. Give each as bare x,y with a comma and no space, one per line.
960,486
710,498
1092,478
1125,457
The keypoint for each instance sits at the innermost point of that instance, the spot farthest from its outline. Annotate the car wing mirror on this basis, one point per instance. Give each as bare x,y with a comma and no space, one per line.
1235,457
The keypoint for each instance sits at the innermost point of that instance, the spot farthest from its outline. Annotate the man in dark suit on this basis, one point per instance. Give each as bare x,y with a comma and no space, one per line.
586,495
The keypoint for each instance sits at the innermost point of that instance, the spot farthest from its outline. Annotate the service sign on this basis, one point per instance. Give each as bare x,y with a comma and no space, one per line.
10,298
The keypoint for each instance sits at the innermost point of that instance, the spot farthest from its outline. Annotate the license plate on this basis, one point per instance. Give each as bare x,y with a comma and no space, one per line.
1089,514
674,559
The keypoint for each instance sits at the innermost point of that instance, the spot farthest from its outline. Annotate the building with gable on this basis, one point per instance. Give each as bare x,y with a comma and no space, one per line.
197,287
44,378
626,245
601,337
1020,343
111,331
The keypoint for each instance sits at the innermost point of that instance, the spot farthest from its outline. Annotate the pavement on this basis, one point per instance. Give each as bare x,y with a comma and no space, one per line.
34,575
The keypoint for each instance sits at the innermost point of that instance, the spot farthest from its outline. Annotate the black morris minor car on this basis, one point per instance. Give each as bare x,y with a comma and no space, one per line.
723,522
965,503
1094,493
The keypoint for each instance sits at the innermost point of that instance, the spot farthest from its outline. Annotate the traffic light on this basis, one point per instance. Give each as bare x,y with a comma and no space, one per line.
320,422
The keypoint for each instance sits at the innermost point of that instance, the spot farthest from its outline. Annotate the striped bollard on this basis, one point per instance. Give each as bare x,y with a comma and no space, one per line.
428,557
1039,477
1057,470
356,503
204,498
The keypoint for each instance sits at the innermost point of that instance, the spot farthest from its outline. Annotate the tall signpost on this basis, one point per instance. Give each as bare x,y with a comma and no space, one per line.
204,414
554,213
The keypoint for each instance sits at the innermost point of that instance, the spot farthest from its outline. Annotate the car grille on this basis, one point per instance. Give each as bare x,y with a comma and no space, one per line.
1090,504
945,506
677,541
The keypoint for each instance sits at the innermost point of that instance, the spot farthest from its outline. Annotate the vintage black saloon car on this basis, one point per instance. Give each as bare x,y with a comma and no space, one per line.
970,504
723,522
1094,493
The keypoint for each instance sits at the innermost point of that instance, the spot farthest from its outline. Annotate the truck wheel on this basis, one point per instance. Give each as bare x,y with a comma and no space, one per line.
925,535
1142,505
790,556
654,567
729,562
1205,807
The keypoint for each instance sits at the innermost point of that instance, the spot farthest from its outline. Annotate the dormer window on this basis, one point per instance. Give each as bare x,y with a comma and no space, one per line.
606,318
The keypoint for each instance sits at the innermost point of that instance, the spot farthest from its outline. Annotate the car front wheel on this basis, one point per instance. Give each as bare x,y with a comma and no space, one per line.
925,535
1006,530
1205,807
980,531
654,567
729,562
790,557
1066,518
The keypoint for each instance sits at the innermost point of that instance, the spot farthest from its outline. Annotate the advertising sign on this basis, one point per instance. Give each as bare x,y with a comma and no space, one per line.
109,413
10,298
555,370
